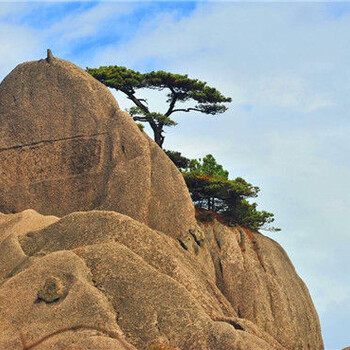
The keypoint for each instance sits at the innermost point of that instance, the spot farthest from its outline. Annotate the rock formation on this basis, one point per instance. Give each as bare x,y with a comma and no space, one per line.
142,275
103,278
258,279
66,146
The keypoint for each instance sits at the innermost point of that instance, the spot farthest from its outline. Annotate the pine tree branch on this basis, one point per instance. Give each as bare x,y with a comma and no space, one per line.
141,119
172,103
137,102
186,110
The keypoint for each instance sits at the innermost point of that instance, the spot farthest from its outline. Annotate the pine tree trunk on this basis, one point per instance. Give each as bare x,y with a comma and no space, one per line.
158,137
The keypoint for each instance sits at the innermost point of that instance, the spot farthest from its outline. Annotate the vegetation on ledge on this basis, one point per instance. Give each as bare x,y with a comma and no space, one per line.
212,190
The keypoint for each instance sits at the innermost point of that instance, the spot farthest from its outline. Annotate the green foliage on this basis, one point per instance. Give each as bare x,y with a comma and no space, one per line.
181,89
211,189
140,126
181,162
119,78
208,167
246,214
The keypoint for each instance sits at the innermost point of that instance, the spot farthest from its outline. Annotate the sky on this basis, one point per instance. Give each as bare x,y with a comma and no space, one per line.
287,68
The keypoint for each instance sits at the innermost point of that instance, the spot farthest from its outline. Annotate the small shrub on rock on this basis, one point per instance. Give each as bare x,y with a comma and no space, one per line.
212,190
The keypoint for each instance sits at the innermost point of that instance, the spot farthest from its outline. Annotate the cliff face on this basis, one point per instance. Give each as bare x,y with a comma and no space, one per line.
258,279
143,275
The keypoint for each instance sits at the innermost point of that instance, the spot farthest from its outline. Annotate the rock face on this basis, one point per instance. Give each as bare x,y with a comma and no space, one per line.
152,279
66,146
258,279
104,280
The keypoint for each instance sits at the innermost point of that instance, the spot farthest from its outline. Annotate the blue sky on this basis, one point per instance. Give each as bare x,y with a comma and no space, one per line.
286,67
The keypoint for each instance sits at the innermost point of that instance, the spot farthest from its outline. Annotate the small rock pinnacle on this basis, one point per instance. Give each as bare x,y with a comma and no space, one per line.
50,56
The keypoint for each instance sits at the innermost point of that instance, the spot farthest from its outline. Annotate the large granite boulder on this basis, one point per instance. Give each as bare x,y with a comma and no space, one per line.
101,280
66,146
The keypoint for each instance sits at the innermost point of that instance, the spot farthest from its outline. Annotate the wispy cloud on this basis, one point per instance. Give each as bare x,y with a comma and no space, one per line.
89,22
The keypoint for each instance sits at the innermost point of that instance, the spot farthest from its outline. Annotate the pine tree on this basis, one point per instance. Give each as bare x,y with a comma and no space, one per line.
183,95
212,190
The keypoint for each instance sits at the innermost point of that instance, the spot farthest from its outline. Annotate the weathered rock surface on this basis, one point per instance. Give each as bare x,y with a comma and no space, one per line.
258,279
101,280
66,146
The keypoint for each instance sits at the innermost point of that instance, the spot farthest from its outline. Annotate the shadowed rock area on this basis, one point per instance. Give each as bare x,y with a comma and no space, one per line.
66,146
139,272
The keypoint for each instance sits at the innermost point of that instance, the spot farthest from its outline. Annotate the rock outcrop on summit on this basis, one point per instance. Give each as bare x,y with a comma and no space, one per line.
138,273
65,146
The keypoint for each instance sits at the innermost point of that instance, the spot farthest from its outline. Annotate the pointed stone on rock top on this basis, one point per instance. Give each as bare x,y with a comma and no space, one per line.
49,57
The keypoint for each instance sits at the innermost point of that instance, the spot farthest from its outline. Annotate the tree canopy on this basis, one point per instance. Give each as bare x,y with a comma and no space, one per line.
183,95
212,190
